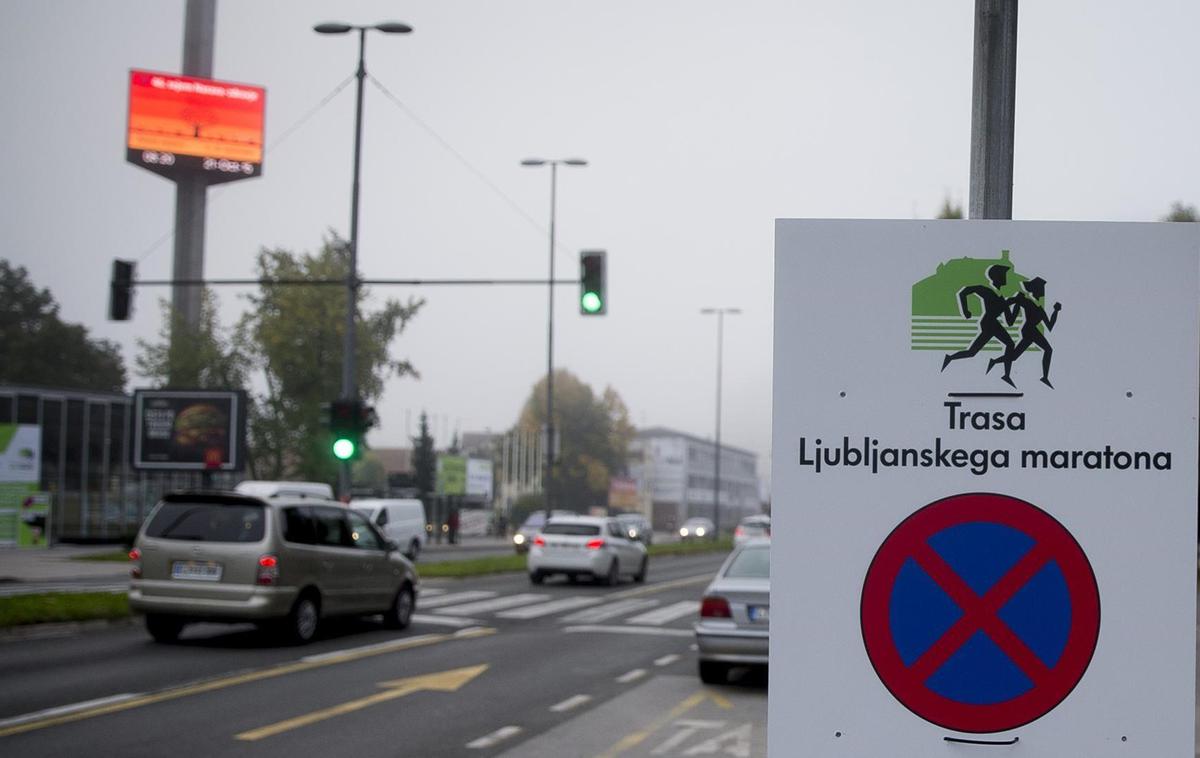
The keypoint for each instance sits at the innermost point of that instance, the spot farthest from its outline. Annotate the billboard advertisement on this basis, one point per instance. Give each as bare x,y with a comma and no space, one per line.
189,430
451,475
479,478
24,511
185,124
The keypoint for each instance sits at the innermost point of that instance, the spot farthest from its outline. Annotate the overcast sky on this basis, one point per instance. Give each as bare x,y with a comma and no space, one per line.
702,121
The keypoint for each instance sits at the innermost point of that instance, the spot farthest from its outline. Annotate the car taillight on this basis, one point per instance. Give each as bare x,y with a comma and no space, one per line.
268,570
739,532
135,563
539,540
715,608
595,544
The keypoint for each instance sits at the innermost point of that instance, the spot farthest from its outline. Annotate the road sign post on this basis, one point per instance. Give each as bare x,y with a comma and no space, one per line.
984,477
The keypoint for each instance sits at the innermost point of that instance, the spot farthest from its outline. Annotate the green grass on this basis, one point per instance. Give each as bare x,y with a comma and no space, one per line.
117,556
723,545
492,564
62,606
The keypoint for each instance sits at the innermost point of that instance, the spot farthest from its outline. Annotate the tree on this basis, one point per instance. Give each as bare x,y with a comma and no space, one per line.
293,335
424,459
950,209
204,356
1181,212
39,348
594,433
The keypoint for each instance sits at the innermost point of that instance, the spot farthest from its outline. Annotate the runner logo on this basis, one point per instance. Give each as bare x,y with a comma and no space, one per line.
1011,318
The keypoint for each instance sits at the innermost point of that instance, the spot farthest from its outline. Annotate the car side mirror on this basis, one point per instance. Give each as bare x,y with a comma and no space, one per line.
391,546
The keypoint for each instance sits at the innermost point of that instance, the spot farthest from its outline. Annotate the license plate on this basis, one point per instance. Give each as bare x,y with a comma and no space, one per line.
204,571
760,613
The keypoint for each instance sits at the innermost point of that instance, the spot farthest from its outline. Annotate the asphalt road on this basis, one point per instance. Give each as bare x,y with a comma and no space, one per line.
490,666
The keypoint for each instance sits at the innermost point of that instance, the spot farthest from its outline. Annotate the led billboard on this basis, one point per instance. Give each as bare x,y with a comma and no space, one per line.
189,430
184,124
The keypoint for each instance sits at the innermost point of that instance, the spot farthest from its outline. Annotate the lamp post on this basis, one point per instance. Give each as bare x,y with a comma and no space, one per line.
553,163
349,373
717,458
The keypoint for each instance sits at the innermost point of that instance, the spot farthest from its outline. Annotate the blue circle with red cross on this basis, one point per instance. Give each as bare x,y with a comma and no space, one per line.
980,612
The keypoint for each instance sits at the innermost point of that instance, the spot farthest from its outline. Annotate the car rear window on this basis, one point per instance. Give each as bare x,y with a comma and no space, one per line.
208,522
751,563
575,530
754,528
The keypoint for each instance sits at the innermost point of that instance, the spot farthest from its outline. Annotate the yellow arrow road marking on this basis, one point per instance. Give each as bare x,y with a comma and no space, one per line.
443,681
236,679
691,701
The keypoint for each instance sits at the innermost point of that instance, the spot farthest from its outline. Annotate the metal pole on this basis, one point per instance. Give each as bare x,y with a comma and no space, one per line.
717,463
199,25
349,374
993,101
549,477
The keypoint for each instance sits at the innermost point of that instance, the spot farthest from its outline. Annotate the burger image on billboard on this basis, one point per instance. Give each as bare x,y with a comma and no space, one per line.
198,427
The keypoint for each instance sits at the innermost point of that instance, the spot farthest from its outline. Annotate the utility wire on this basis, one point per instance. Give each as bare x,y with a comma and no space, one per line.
266,149
408,111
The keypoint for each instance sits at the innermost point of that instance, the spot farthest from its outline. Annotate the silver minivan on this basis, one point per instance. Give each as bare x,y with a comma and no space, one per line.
284,562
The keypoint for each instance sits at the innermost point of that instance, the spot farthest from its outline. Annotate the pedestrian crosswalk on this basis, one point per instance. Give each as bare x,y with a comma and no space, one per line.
437,605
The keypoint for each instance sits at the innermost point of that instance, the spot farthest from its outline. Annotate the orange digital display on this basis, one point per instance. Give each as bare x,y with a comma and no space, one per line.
182,124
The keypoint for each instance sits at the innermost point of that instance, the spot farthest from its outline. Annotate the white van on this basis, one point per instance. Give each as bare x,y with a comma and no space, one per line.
401,520
265,489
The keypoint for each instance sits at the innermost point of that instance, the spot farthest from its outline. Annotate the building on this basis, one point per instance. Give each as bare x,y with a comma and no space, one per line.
675,476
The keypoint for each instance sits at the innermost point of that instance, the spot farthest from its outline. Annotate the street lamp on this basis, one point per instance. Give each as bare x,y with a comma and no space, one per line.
717,458
554,164
349,375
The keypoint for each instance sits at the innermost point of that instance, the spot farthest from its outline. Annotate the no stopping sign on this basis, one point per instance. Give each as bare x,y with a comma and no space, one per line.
980,613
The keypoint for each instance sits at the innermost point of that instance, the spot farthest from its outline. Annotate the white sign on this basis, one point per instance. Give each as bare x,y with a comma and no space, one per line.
20,453
984,488
479,478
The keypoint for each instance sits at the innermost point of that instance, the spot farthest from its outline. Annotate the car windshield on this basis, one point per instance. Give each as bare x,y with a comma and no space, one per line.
751,563
536,519
207,522
576,530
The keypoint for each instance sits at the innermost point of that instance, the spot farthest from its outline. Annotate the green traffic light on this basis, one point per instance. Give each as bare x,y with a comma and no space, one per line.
591,302
343,449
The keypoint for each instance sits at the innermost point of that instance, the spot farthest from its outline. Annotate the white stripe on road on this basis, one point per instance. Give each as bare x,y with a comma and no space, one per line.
496,604
431,591
666,660
605,612
654,631
365,648
429,618
456,597
631,676
659,586
572,702
667,613
545,609
63,710
494,738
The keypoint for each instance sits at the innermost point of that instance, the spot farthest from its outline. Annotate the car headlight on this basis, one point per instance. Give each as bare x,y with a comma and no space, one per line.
683,532
633,534
700,531
519,539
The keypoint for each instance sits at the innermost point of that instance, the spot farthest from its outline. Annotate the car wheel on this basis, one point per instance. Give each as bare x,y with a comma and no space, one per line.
301,624
414,549
614,575
713,672
536,577
163,628
640,576
400,614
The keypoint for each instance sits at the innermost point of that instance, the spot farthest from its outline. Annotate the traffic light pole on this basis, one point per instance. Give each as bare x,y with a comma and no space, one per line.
549,475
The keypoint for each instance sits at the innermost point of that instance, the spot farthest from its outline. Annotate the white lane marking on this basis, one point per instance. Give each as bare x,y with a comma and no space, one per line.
654,631
631,676
496,604
432,591
611,610
655,587
62,710
429,618
572,702
693,647
455,597
666,613
494,738
666,660
545,609
365,648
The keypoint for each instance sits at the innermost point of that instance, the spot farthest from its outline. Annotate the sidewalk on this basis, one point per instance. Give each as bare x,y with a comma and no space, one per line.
55,565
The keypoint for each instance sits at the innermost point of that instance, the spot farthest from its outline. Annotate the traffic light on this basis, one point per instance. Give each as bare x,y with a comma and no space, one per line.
348,422
120,293
592,299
